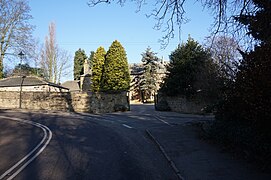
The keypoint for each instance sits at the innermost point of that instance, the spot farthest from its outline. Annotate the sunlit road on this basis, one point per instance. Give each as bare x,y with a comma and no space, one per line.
84,146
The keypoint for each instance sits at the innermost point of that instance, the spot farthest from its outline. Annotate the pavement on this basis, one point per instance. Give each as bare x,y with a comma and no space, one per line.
193,158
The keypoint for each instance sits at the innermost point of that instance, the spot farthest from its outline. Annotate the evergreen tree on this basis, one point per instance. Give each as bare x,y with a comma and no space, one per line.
79,60
97,68
258,22
90,59
148,81
116,74
249,99
27,70
190,71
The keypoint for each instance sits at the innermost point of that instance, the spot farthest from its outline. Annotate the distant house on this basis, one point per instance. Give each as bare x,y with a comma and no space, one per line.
29,83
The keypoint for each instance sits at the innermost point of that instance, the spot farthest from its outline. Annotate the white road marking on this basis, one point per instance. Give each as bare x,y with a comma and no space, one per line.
47,135
127,126
160,119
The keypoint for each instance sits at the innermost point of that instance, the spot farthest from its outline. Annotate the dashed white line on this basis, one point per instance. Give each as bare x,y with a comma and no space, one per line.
47,135
127,126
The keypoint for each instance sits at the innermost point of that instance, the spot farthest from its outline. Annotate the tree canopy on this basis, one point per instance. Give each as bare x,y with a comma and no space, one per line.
78,67
171,14
116,75
243,117
224,51
15,29
97,69
26,70
191,70
149,79
249,98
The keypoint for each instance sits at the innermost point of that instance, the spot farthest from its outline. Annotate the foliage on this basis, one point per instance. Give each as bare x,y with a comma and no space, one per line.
78,67
116,74
249,99
90,59
246,106
136,70
191,72
15,30
97,68
148,80
258,23
25,69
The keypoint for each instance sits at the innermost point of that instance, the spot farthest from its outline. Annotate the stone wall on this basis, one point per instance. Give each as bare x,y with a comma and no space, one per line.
180,104
75,101
99,102
36,100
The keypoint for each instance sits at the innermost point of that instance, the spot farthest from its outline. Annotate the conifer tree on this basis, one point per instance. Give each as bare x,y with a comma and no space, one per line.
79,60
148,81
249,99
190,70
116,76
90,59
97,68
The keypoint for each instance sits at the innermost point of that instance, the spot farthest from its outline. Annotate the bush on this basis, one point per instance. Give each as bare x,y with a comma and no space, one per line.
120,107
162,106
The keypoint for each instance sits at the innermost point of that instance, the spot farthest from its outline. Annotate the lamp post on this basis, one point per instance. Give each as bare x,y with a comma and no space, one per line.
21,54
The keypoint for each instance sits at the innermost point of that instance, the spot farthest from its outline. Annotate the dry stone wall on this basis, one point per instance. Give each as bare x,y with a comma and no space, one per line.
35,100
180,104
99,102
75,101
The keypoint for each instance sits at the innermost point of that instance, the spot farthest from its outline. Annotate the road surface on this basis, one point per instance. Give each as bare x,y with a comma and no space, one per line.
85,146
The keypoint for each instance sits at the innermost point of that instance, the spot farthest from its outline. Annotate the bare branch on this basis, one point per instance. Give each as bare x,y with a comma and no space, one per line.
15,31
170,14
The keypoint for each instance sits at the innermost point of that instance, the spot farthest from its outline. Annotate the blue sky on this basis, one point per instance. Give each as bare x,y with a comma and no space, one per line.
81,26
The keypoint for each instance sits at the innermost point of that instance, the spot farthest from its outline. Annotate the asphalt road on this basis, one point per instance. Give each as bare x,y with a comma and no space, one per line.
84,146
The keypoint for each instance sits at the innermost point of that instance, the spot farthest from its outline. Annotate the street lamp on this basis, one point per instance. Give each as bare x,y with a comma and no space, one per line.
21,54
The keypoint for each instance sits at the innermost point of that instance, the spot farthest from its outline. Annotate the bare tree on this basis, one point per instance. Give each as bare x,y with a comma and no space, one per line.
15,30
171,14
225,53
53,60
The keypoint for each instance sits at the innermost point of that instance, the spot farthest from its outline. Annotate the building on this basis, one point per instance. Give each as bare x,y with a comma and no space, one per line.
73,86
30,84
84,83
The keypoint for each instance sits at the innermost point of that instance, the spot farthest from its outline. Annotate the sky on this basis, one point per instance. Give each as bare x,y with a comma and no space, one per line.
81,26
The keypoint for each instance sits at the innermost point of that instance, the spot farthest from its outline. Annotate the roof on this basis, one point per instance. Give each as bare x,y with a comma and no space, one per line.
15,81
72,85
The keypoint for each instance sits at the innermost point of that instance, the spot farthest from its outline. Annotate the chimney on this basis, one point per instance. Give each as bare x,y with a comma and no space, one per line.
86,67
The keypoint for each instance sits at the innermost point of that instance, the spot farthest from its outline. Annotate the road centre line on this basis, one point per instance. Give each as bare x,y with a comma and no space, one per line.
47,135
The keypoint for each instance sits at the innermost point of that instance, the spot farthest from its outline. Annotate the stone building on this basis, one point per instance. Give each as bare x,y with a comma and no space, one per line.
84,83
73,86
